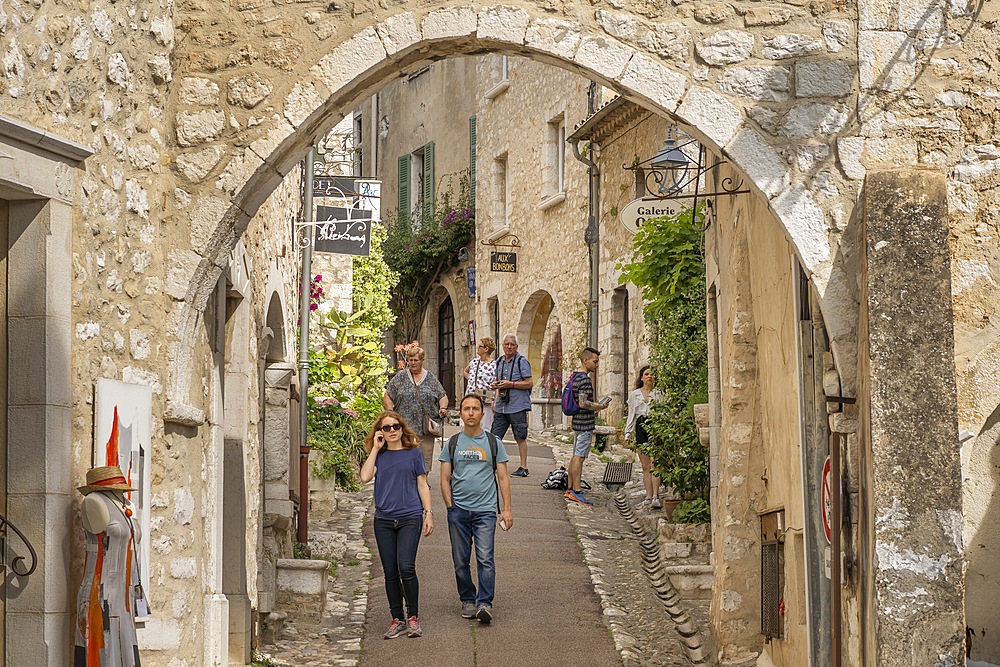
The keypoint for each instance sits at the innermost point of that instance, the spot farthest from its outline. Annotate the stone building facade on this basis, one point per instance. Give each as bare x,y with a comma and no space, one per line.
142,139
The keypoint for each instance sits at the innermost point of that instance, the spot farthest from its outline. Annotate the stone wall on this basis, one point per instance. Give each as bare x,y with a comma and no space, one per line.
513,125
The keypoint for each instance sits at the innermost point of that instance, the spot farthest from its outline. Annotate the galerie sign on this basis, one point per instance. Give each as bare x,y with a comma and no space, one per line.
639,210
505,262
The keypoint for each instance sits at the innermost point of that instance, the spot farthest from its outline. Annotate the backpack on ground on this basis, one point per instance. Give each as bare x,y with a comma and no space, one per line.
557,479
569,405
494,446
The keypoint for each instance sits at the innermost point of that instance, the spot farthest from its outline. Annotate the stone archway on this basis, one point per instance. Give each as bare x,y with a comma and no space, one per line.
231,172
540,338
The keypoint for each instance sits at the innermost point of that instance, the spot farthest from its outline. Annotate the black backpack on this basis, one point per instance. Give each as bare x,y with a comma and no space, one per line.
494,446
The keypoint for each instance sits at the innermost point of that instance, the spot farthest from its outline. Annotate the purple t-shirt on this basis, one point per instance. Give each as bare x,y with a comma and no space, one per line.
396,475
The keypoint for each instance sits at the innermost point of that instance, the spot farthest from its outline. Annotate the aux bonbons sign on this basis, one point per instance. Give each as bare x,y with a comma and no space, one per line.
639,210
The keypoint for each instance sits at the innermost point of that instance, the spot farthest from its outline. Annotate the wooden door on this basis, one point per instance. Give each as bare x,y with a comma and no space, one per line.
446,348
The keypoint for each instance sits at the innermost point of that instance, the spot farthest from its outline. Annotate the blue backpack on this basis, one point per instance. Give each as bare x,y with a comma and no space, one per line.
569,405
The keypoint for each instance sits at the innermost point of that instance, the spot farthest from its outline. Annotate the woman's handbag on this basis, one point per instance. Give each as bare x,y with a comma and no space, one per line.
431,426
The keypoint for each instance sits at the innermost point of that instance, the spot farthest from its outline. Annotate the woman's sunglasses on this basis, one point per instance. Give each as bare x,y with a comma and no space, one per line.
388,428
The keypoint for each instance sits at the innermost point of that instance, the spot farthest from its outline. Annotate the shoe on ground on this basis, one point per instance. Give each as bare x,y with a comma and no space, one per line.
413,627
520,472
577,497
468,610
646,502
396,629
484,613
656,504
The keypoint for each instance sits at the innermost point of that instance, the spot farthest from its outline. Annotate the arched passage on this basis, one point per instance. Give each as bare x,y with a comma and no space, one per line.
540,336
335,75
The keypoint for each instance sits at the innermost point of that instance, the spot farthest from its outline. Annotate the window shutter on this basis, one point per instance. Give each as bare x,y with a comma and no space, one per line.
428,182
472,162
403,202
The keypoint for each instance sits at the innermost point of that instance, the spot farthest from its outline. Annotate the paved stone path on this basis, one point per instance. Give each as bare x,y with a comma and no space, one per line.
569,592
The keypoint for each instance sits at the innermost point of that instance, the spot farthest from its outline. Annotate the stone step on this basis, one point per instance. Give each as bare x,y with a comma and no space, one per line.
693,582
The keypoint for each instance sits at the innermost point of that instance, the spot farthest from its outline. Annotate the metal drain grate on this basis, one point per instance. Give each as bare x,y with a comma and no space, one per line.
617,472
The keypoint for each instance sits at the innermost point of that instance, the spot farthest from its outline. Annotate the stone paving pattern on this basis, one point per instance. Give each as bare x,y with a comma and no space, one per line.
642,631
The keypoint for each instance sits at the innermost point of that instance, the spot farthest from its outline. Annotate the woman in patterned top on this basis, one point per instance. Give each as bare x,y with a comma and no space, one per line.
416,393
480,374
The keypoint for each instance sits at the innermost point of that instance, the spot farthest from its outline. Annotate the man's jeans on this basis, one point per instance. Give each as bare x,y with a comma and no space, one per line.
466,527
397,542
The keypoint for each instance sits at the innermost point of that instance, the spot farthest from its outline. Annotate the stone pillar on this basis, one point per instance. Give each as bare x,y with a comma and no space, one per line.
916,570
277,505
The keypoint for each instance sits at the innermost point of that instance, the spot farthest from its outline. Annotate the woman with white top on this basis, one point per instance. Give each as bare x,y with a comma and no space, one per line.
639,402
480,374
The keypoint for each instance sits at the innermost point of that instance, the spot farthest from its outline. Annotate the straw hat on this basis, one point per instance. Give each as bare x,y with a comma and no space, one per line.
105,478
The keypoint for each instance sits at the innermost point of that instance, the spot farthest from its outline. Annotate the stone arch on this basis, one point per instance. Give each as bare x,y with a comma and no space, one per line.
334,76
539,333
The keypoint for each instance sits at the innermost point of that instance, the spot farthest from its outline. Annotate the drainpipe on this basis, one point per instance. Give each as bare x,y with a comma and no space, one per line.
592,235
302,534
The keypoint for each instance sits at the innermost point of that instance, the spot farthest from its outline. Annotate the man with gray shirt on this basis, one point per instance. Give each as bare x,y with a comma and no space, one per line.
513,399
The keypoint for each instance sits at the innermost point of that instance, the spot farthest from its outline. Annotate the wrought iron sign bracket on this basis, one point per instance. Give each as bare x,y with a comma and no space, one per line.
17,564
670,178
514,242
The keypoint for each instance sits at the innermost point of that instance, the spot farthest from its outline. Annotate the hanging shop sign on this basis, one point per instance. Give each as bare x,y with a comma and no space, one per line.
470,280
639,210
343,231
504,262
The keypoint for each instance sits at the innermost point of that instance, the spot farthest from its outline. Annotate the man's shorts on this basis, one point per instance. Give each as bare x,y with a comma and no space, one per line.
582,442
518,422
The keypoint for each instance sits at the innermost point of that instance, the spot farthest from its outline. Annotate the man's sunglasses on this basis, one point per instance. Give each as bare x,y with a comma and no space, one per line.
388,428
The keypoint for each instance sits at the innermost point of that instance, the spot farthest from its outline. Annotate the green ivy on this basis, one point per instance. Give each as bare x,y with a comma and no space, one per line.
421,255
668,265
347,374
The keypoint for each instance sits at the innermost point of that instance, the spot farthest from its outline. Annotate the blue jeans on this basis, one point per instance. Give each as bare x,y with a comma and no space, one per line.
397,542
464,528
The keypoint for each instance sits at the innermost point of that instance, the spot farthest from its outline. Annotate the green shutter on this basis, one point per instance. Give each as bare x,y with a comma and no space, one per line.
428,182
472,162
404,190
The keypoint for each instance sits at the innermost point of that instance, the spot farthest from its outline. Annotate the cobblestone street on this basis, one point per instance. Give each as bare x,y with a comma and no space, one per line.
640,626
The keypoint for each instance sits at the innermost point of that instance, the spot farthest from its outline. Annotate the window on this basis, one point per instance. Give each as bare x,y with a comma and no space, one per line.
417,187
472,162
419,184
359,146
501,218
500,68
554,168
403,189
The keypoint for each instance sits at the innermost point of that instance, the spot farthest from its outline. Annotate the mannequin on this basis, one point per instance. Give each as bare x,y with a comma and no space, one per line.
111,594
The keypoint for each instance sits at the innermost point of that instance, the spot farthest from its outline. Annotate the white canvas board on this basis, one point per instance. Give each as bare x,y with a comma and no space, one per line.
134,404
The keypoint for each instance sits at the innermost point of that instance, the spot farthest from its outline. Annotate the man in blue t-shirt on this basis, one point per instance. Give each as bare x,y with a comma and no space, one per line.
513,399
469,487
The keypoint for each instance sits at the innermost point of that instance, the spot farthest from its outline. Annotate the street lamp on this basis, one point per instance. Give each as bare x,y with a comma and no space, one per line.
670,167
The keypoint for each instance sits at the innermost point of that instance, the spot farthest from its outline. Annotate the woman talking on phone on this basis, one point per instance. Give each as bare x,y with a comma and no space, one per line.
402,512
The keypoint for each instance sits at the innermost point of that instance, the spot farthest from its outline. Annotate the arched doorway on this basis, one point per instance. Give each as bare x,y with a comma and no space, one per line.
446,347
540,336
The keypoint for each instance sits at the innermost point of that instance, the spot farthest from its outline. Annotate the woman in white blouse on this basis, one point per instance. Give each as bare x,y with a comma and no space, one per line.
480,374
639,402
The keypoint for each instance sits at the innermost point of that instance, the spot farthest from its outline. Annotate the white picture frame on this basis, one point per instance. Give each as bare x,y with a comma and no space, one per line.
133,404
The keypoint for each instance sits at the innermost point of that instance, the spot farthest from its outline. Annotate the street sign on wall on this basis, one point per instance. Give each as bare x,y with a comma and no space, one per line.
343,231
504,262
639,210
